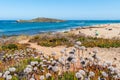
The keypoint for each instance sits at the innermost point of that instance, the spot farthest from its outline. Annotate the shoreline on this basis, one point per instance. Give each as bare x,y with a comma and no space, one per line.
98,26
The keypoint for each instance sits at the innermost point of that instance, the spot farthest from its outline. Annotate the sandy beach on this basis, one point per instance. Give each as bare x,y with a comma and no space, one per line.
105,31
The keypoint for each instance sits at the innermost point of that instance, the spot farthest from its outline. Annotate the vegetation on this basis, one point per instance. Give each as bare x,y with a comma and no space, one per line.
44,67
9,46
69,39
51,40
19,62
99,42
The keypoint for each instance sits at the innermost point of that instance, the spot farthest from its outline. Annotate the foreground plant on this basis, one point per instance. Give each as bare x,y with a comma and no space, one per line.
72,65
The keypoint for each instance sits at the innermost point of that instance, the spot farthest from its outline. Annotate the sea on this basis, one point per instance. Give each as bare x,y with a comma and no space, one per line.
12,27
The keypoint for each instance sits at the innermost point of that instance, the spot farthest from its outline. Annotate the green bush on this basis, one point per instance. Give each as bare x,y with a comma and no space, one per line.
68,39
9,46
99,42
54,42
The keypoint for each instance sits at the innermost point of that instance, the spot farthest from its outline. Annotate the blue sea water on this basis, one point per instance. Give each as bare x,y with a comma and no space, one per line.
11,27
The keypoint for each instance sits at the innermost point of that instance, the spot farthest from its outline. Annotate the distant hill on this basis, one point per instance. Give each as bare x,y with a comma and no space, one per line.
42,20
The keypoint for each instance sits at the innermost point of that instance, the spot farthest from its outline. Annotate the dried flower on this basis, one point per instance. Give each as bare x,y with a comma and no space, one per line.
48,75
12,69
91,74
42,77
78,43
104,74
8,77
32,78
79,76
55,68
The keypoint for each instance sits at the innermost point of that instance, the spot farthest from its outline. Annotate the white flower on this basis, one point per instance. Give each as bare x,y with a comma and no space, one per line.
41,63
42,77
105,65
53,62
29,66
116,70
47,57
28,70
32,79
95,51
101,78
12,69
44,60
7,72
109,63
35,68
51,59
104,74
115,77
61,60
91,59
87,78
1,74
55,68
48,75
76,46
78,43
41,53
82,48
49,67
118,75
82,72
8,77
73,61
111,68
62,51
72,55
34,63
91,74
79,75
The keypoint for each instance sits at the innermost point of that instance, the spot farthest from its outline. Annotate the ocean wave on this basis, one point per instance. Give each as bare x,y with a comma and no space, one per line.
1,31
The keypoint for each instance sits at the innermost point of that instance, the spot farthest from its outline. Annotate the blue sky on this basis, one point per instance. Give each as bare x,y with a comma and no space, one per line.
63,9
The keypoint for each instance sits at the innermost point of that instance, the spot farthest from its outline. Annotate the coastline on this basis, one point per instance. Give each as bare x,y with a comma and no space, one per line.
13,28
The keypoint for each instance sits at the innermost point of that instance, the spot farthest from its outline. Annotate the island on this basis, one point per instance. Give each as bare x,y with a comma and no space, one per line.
42,19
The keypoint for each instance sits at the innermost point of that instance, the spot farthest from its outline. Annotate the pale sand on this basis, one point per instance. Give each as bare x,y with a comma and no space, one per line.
103,31
104,53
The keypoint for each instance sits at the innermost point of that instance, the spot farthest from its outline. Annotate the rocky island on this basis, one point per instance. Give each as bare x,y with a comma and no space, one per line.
42,20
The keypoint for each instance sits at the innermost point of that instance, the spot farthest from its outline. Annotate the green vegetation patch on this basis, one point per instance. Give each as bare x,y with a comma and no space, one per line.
68,39
99,42
9,46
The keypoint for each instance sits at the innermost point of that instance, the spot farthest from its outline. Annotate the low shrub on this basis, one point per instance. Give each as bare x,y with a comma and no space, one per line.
10,46
99,42
54,42
68,39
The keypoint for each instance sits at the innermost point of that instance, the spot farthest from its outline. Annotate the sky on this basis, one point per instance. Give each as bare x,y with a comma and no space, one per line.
62,9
